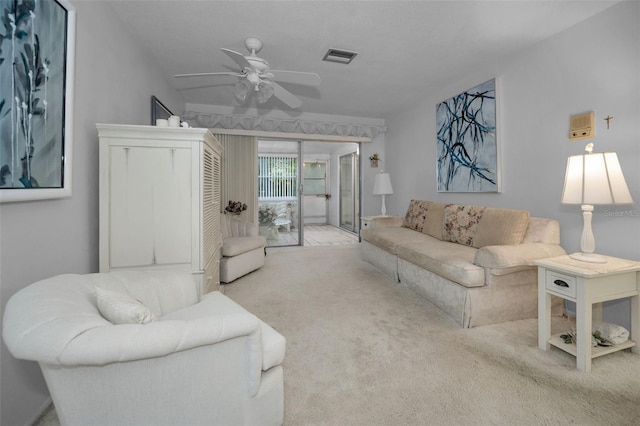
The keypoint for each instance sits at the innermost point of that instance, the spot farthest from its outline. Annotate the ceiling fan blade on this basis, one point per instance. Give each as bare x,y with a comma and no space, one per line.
200,74
285,96
237,57
296,77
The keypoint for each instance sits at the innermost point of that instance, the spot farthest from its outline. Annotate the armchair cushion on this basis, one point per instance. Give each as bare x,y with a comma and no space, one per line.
215,303
234,246
120,308
235,227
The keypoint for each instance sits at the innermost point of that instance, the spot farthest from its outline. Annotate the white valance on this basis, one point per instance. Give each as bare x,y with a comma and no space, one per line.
284,125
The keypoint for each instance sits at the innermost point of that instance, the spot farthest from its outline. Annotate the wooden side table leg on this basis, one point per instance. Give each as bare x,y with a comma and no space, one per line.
583,330
544,312
635,321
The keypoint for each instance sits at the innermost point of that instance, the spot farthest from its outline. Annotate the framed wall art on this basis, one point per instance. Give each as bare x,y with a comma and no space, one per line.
467,141
37,47
158,110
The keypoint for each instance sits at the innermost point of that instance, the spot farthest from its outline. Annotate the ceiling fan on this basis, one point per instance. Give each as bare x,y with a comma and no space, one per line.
256,76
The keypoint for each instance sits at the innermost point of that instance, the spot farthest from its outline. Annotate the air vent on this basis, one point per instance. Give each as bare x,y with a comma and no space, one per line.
340,56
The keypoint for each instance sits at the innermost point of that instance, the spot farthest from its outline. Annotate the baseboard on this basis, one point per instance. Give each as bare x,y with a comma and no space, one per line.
44,409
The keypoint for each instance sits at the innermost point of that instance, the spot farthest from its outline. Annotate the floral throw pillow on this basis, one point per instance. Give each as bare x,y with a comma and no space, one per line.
461,223
416,214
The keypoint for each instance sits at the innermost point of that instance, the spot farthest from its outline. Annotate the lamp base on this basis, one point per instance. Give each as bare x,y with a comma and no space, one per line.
588,257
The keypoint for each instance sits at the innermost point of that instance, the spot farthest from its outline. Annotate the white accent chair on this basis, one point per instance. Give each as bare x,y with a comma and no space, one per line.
203,360
243,249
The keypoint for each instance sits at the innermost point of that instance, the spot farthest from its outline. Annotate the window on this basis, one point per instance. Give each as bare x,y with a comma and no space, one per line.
277,176
315,175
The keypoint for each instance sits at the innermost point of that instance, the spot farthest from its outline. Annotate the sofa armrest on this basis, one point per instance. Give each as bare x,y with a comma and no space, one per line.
388,221
507,256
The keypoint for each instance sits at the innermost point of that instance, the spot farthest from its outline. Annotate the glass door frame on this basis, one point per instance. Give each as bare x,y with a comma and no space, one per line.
355,198
297,224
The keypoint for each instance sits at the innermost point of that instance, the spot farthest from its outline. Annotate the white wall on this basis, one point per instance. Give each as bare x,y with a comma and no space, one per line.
593,66
115,79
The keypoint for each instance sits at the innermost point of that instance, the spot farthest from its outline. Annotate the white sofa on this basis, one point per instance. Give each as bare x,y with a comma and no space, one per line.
193,361
473,262
242,248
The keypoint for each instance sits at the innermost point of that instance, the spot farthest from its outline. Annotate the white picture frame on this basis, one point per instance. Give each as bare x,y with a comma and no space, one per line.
54,83
468,141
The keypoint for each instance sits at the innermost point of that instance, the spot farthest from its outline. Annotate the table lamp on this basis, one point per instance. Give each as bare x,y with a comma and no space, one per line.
593,179
382,187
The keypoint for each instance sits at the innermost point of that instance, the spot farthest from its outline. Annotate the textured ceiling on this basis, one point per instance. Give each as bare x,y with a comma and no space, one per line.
405,48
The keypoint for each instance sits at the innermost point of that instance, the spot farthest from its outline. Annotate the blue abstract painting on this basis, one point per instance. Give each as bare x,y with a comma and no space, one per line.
32,101
467,157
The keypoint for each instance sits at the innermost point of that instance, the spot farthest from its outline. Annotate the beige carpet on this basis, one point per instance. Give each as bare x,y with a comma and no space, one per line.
363,350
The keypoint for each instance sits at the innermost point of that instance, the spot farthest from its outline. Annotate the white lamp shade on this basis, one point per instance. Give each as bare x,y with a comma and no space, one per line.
594,179
382,184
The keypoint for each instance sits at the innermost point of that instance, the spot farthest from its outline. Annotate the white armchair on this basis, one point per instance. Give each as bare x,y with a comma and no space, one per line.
202,361
243,249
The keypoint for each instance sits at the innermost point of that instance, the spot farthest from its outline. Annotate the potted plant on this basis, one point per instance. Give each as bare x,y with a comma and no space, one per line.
266,215
374,159
235,207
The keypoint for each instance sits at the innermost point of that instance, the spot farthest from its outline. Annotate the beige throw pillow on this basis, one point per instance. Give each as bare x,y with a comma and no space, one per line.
416,214
501,227
120,308
434,222
461,223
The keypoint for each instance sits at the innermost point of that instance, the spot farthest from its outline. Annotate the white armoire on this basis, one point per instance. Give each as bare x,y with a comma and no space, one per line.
160,200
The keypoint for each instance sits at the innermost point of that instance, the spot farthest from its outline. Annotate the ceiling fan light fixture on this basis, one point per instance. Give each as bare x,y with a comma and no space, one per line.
241,89
255,75
265,92
339,55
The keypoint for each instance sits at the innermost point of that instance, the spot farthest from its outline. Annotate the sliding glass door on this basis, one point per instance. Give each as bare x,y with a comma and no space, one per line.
349,192
316,196
307,183
278,192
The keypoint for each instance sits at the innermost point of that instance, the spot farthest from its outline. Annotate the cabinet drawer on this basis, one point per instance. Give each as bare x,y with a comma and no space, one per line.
560,283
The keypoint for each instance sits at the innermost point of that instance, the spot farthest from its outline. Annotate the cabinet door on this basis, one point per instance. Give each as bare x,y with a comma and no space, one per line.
211,238
150,206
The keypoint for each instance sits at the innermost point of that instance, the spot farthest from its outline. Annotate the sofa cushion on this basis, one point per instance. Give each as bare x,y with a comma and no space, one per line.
234,246
388,238
416,214
120,308
449,260
434,220
501,227
461,223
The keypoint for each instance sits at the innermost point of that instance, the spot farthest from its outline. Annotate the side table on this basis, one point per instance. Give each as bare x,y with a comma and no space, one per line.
380,221
585,284
368,222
